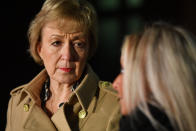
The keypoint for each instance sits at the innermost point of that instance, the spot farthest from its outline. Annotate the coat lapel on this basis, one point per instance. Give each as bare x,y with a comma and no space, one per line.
59,119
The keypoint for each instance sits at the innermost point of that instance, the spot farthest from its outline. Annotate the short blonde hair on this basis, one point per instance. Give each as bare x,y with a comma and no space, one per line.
80,11
162,62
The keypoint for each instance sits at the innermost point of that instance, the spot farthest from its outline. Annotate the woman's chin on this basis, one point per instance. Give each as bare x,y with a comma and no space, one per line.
65,80
124,110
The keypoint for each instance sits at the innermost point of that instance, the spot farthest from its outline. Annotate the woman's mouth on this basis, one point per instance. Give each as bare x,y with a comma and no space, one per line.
66,69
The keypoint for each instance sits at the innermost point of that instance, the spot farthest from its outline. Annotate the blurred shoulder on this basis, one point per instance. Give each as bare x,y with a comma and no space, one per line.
109,103
108,93
107,87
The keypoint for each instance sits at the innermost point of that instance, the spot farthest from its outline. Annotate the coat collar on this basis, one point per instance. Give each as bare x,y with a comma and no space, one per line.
34,87
87,88
84,92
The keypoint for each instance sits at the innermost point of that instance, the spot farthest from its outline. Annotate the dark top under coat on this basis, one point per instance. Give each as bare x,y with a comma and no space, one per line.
138,121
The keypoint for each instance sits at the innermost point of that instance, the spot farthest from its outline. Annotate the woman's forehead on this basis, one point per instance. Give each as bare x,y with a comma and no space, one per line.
67,28
64,25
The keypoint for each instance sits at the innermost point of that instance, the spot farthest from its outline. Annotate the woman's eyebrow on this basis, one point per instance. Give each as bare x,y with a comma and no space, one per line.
78,36
74,36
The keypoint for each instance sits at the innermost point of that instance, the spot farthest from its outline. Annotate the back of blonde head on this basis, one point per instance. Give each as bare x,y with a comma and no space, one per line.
160,67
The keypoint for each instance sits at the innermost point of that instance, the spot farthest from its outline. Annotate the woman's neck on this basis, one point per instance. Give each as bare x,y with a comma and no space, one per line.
60,93
59,90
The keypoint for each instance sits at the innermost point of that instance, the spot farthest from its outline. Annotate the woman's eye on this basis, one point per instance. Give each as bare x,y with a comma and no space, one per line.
56,43
79,44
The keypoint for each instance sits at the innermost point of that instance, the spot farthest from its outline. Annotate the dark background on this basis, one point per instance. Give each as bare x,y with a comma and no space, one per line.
116,19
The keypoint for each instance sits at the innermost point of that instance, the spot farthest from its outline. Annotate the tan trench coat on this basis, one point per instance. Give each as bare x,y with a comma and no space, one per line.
94,101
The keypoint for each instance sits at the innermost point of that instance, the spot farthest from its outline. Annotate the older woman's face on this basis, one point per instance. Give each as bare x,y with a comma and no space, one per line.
63,51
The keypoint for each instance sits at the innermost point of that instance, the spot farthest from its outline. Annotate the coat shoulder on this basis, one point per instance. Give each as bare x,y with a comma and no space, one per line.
108,88
17,90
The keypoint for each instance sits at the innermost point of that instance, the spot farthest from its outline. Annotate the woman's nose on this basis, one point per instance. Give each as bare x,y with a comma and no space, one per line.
67,52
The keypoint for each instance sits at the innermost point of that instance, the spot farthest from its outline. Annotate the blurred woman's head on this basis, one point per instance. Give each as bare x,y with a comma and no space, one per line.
160,67
118,82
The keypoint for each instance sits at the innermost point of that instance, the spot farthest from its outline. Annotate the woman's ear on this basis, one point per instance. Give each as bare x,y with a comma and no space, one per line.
39,49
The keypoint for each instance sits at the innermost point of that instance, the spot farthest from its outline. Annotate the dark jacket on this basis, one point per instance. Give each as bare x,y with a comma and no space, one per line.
138,121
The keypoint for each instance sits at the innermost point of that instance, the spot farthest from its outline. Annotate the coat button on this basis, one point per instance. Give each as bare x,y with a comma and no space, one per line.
106,84
82,114
26,107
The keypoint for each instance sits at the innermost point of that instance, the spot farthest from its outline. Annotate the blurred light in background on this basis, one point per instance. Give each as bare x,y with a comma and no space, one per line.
108,4
109,30
134,3
134,24
117,18
108,54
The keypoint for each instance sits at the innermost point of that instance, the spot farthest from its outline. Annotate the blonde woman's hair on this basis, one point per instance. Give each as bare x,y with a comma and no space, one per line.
160,68
80,11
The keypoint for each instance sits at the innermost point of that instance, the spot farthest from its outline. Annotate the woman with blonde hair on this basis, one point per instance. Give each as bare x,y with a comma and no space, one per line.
159,71
67,94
